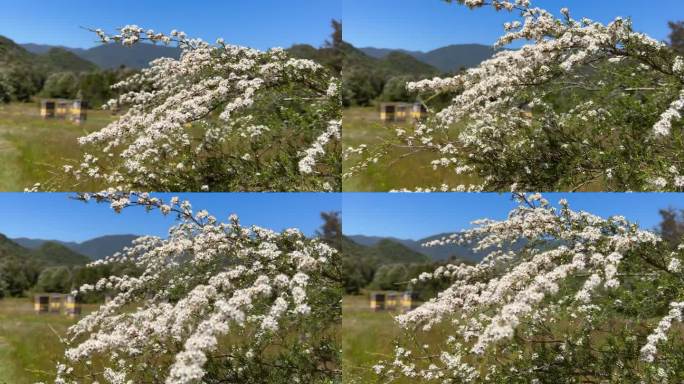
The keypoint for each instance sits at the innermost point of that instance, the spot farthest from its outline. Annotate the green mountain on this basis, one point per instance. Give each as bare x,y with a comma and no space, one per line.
104,246
447,59
61,60
94,249
47,254
399,63
304,51
13,56
443,252
9,248
52,254
385,264
112,56
21,269
365,78
438,253
327,56
383,252
393,64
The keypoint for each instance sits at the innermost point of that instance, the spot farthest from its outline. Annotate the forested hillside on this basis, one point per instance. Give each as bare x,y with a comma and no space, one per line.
367,78
386,264
451,58
48,267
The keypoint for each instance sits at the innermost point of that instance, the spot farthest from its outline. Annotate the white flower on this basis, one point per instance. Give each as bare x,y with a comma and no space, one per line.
675,265
202,282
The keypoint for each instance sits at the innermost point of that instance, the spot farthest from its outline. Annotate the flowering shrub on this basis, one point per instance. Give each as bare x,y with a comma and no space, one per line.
215,303
581,105
222,117
562,296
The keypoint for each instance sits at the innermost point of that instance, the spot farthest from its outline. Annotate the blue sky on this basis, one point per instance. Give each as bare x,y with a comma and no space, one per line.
415,216
54,216
428,24
260,24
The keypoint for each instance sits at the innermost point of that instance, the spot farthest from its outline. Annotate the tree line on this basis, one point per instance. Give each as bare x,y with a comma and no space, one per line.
23,84
21,277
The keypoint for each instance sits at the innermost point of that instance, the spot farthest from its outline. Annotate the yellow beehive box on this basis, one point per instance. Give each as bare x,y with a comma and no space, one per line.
41,303
377,301
72,306
392,300
409,301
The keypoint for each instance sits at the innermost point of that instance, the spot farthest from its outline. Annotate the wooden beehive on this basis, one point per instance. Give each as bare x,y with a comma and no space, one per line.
418,111
47,109
72,306
77,113
41,303
409,301
392,300
377,301
72,110
56,301
400,111
387,112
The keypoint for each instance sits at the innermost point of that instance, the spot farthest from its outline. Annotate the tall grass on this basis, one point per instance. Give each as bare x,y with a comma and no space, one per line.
30,343
401,168
33,149
369,337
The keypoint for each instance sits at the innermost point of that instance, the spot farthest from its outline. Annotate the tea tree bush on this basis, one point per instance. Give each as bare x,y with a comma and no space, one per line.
583,300
216,302
220,118
581,105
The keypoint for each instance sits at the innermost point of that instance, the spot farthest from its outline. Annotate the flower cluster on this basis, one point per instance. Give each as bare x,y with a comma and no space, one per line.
544,281
307,163
214,300
559,113
224,116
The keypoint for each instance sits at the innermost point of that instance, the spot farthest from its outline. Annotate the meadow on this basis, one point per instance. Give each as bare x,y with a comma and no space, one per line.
369,337
366,338
401,169
33,149
30,343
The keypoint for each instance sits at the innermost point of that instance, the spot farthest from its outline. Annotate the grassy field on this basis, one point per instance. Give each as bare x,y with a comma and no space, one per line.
362,125
29,343
30,346
32,150
368,337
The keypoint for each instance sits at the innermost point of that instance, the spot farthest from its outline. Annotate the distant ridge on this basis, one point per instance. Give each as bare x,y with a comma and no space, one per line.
40,49
49,253
95,249
53,59
382,252
111,56
438,253
448,59
392,63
